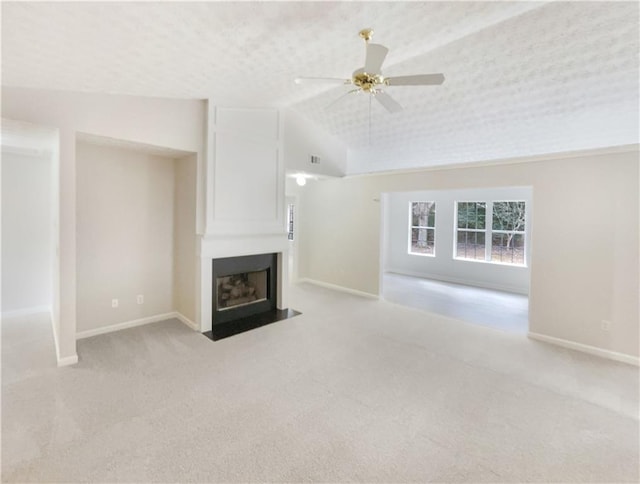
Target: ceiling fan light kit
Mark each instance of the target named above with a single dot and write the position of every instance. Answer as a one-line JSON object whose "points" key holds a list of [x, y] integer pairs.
{"points": [[369, 79]]}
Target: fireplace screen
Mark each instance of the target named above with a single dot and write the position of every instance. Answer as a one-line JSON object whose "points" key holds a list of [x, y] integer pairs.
{"points": [[241, 289]]}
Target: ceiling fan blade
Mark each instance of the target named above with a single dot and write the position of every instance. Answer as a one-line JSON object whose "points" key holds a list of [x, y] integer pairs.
{"points": [[321, 80], [376, 54], [417, 80], [388, 102], [333, 103]]}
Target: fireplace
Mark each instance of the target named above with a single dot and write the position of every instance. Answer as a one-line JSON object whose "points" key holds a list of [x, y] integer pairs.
{"points": [[243, 286]]}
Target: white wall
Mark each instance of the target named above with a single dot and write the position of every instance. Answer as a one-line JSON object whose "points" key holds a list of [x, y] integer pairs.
{"points": [[185, 261], [27, 238], [443, 266], [125, 217], [584, 267], [178, 124]]}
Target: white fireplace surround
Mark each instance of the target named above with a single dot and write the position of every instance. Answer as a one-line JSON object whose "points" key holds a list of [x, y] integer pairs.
{"points": [[245, 212], [216, 247]]}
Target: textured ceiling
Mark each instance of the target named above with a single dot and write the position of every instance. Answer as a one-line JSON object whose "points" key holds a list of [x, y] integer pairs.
{"points": [[521, 78]]}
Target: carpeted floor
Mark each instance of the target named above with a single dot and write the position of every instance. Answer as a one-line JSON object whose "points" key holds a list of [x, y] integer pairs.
{"points": [[351, 390]]}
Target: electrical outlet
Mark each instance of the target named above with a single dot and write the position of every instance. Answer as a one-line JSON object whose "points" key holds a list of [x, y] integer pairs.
{"points": [[140, 299], [114, 303], [605, 325]]}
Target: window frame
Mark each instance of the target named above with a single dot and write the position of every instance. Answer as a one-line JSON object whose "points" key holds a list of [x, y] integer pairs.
{"points": [[489, 231], [427, 227], [515, 232], [290, 222], [456, 229]]}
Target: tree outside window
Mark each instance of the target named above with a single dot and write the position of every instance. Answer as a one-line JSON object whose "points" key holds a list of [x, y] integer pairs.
{"points": [[507, 237]]}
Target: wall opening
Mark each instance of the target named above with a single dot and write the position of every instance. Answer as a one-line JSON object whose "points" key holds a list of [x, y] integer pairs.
{"points": [[29, 218], [461, 253]]}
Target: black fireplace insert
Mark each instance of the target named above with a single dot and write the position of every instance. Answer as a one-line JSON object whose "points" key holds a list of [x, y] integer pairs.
{"points": [[243, 286]]}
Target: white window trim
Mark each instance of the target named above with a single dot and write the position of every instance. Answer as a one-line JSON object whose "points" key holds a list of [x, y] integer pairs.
{"points": [[488, 231]]}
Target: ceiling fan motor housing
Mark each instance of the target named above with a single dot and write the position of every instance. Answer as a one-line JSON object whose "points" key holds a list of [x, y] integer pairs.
{"points": [[367, 82]]}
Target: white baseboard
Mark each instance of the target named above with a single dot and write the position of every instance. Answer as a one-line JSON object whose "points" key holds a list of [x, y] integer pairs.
{"points": [[592, 350], [335, 287], [137, 322], [127, 324], [67, 360], [186, 321], [26, 311]]}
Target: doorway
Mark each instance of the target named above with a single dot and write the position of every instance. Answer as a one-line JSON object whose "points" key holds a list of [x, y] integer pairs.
{"points": [[29, 247]]}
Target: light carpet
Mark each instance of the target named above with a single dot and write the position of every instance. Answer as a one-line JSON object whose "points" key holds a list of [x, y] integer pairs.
{"points": [[351, 390]]}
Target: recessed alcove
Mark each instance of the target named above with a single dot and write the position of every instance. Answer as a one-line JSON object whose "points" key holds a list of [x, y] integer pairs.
{"points": [[136, 234]]}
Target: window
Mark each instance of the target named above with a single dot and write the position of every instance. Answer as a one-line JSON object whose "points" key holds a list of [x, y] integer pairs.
{"points": [[290, 209], [507, 233], [471, 231], [423, 228], [503, 241]]}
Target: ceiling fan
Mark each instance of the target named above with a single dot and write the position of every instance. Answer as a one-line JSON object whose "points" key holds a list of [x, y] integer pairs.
{"points": [[369, 78]]}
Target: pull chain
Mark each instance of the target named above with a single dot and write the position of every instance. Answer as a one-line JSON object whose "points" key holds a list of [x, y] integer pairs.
{"points": [[370, 95]]}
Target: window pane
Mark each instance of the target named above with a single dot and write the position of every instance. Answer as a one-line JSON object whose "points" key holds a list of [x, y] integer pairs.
{"points": [[423, 214], [423, 241], [415, 214], [481, 216], [290, 222], [431, 220], [471, 215], [470, 245], [431, 237], [462, 215], [509, 216], [507, 248], [461, 244]]}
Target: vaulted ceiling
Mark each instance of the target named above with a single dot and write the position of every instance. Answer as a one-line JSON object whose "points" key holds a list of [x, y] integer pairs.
{"points": [[522, 78]]}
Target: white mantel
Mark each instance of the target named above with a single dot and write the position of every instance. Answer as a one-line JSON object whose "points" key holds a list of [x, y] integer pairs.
{"points": [[244, 193]]}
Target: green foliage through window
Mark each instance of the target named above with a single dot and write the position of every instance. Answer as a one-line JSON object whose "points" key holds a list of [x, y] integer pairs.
{"points": [[472, 215], [502, 242]]}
